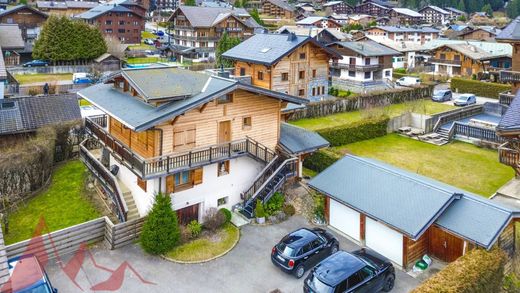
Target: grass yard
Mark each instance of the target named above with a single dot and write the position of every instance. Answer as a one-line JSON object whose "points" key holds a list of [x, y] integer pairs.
{"points": [[142, 60], [459, 164], [142, 46], [62, 205], [40, 77], [83, 102], [206, 247], [423, 107], [148, 35]]}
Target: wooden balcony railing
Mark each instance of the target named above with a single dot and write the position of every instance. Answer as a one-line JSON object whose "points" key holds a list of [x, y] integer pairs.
{"points": [[356, 67], [506, 98], [509, 76], [509, 156], [105, 178], [176, 162], [470, 131], [445, 61]]}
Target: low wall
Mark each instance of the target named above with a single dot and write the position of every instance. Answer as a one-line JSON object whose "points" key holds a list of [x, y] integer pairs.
{"points": [[407, 120], [50, 69]]}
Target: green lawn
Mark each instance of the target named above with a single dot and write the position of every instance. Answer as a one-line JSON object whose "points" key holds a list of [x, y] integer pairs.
{"points": [[141, 47], [40, 77], [142, 60], [62, 205], [148, 35], [423, 107], [459, 164], [83, 102]]}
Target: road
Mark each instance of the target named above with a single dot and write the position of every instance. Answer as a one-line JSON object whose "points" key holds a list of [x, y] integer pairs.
{"points": [[445, 86]]}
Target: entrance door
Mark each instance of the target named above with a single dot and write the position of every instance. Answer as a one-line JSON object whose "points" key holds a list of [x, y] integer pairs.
{"points": [[224, 131], [445, 246], [188, 214]]}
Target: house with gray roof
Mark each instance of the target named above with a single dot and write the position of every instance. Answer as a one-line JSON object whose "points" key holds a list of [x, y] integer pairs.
{"points": [[397, 34], [278, 8], [403, 215], [365, 66], [12, 43], [435, 15], [197, 30], [209, 141]]}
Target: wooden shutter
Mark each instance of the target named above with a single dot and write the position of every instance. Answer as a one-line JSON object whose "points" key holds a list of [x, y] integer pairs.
{"points": [[197, 176], [170, 185], [141, 183], [178, 138], [190, 137]]}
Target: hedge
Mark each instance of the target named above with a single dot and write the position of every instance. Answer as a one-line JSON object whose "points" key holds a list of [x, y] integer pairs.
{"points": [[320, 160], [479, 271], [479, 88], [349, 133]]}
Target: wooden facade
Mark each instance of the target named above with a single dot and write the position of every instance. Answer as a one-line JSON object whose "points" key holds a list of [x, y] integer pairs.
{"points": [[371, 8], [25, 17], [462, 64], [145, 143], [479, 35], [272, 8]]}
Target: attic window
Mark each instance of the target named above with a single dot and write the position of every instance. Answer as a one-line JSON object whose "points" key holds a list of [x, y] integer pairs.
{"points": [[265, 50], [7, 105]]}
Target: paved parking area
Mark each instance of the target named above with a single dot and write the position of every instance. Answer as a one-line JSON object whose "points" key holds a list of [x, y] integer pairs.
{"points": [[247, 268]]}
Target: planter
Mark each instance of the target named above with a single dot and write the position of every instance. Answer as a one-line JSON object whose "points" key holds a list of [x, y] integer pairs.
{"points": [[260, 220]]}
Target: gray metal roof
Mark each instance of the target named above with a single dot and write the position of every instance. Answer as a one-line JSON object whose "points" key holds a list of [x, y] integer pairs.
{"points": [[66, 4], [139, 115], [11, 37], [102, 9], [19, 7], [210, 16], [407, 11], [409, 202], [454, 10], [368, 48], [297, 140], [511, 119], [268, 49], [30, 113], [511, 31], [282, 4], [436, 8]]}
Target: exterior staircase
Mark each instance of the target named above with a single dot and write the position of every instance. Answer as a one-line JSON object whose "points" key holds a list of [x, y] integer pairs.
{"points": [[444, 135], [132, 213], [281, 170]]}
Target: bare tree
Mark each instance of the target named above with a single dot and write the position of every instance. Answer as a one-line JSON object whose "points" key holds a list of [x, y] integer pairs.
{"points": [[115, 47]]}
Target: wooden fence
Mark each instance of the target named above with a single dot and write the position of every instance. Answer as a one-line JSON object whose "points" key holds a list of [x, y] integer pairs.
{"points": [[119, 235], [475, 132], [324, 108]]}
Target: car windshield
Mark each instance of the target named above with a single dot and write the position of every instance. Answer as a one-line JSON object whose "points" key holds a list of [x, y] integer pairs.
{"points": [[318, 285], [41, 288], [440, 93], [286, 250]]}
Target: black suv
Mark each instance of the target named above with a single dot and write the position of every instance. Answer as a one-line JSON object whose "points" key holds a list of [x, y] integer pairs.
{"points": [[302, 249], [359, 271]]}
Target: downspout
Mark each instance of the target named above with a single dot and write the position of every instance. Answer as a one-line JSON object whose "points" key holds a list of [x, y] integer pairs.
{"points": [[160, 154]]}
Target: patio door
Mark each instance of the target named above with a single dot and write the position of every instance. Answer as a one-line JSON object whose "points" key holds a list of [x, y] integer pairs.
{"points": [[188, 214], [444, 245]]}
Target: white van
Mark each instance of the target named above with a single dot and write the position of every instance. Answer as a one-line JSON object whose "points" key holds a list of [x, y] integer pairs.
{"points": [[408, 81]]}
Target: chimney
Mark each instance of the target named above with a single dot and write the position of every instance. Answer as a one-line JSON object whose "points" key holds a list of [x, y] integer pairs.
{"points": [[222, 72], [291, 37]]}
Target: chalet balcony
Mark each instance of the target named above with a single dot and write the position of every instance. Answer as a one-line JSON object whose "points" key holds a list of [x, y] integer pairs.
{"points": [[178, 161], [509, 76], [195, 38], [356, 67], [508, 155], [228, 29], [505, 98], [446, 61]]}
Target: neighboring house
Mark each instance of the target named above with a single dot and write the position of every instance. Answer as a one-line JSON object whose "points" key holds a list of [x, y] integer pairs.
{"points": [[322, 35], [28, 19], [278, 9], [466, 59], [405, 16], [303, 11], [197, 30], [511, 36], [397, 34], [320, 22], [3, 75], [295, 65], [123, 20], [485, 34], [65, 8], [403, 215], [480, 18], [337, 7], [340, 18], [435, 15], [373, 8], [12, 44], [453, 31], [455, 13], [204, 140], [27, 114], [366, 65], [107, 62], [362, 19], [410, 54], [4, 4]]}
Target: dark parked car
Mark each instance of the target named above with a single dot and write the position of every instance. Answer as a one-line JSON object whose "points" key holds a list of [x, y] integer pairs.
{"points": [[442, 96], [360, 271], [302, 249], [36, 63], [28, 275]]}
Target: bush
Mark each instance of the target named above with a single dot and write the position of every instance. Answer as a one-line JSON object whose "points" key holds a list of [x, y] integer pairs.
{"points": [[274, 204], [214, 219], [478, 271], [289, 210], [320, 160], [349, 133], [511, 284], [259, 209], [479, 88], [227, 214], [160, 230], [194, 228], [319, 207], [400, 70]]}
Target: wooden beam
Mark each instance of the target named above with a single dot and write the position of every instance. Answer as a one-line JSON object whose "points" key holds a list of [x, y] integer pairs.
{"points": [[202, 108], [175, 120]]}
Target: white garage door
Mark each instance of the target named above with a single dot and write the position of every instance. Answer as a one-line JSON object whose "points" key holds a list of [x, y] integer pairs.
{"points": [[344, 219], [384, 240]]}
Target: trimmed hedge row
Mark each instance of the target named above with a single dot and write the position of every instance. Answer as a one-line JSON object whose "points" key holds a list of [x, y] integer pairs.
{"points": [[479, 271], [320, 160], [349, 133], [479, 88]]}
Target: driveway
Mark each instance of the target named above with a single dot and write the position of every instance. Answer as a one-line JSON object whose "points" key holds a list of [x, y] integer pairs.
{"points": [[445, 86], [247, 268]]}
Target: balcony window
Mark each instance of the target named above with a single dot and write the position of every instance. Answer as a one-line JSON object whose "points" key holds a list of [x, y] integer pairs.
{"points": [[285, 76], [223, 168], [367, 61], [246, 123], [301, 92], [314, 73], [242, 71], [368, 75], [302, 56], [301, 74], [260, 75], [228, 98]]}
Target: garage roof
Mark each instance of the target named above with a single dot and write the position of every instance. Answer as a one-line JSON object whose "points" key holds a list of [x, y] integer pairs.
{"points": [[409, 202], [297, 140]]}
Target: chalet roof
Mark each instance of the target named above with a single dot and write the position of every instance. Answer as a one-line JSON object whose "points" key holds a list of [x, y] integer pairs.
{"points": [[102, 9], [455, 10], [311, 20], [411, 203], [282, 4], [436, 8], [30, 113], [297, 140], [210, 16], [511, 119], [406, 29], [382, 4], [66, 4], [476, 52], [489, 29], [511, 32], [368, 48], [493, 47], [11, 37], [20, 7], [191, 89], [311, 31], [407, 11], [268, 49], [332, 3], [103, 57]]}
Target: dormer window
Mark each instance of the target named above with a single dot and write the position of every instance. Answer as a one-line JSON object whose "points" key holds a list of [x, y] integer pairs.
{"points": [[228, 98]]}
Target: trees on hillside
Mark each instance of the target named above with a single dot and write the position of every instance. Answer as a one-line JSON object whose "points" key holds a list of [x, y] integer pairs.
{"points": [[225, 43], [63, 39]]}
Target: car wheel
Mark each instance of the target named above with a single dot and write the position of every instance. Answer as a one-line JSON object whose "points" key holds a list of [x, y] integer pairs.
{"points": [[299, 272], [389, 283], [334, 249]]}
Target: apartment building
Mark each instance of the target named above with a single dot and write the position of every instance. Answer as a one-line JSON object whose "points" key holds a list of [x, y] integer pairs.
{"points": [[399, 34]]}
